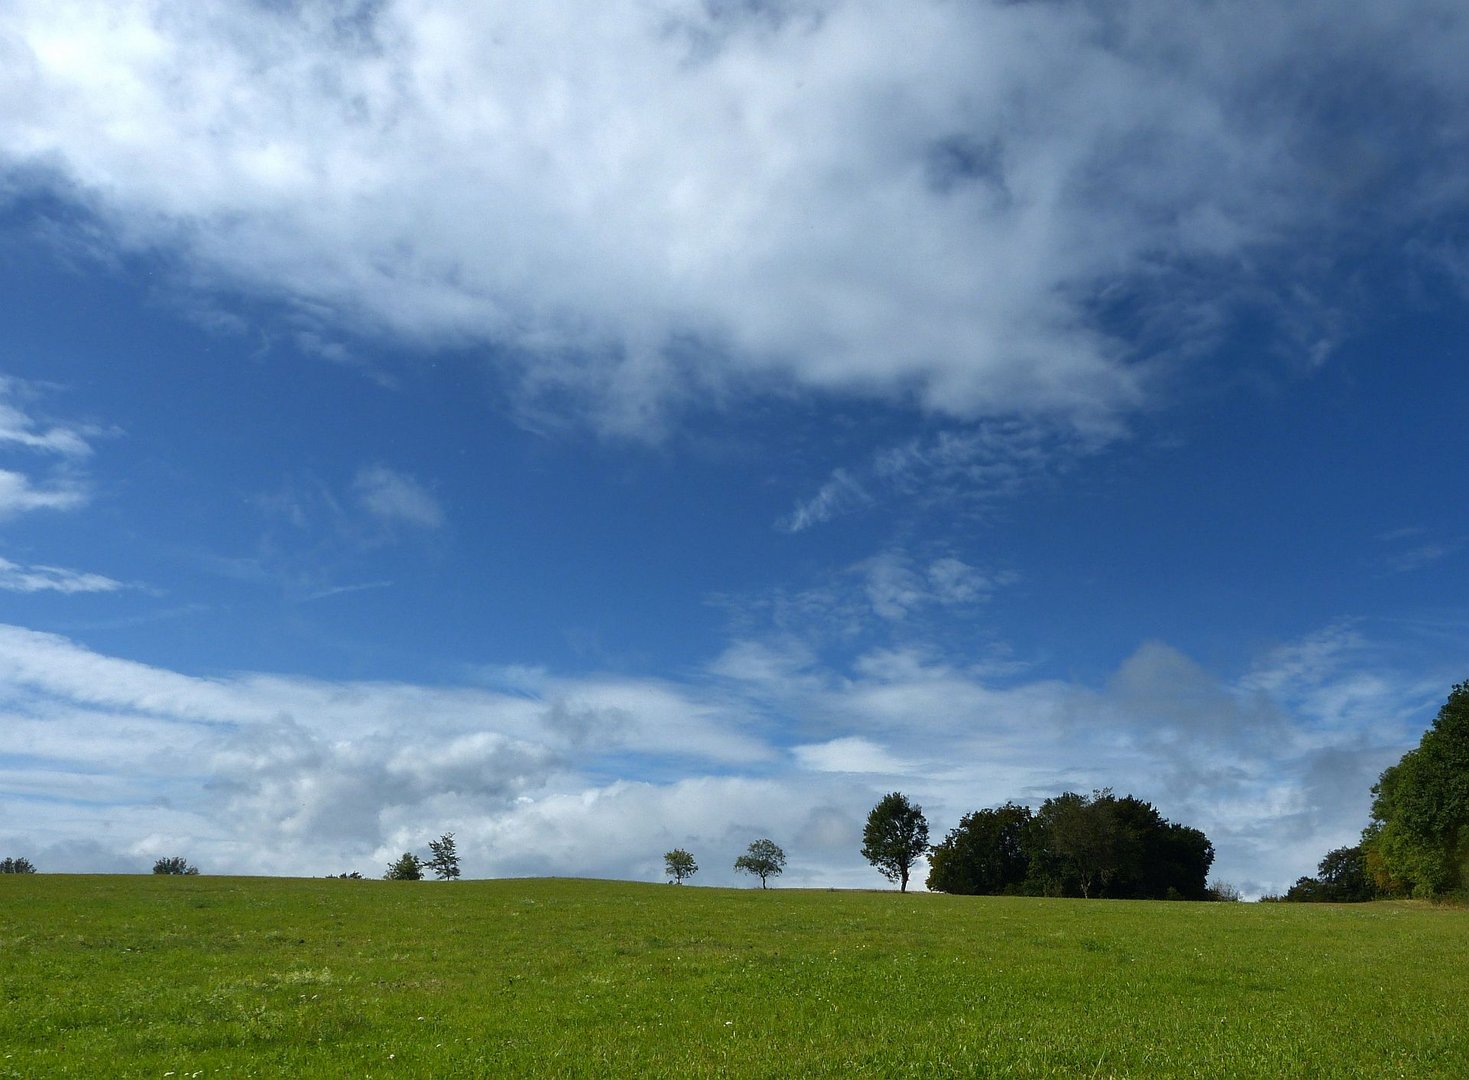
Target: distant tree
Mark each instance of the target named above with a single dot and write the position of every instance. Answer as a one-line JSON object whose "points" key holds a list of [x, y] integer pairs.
{"points": [[406, 867], [443, 858], [680, 865], [985, 855], [1224, 892], [175, 864], [1341, 878], [1074, 844], [764, 859], [1418, 840], [895, 838], [353, 876], [17, 866], [1104, 846]]}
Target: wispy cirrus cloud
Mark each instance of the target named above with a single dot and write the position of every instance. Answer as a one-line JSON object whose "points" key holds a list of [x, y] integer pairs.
{"points": [[964, 470], [48, 455], [18, 577], [395, 498]]}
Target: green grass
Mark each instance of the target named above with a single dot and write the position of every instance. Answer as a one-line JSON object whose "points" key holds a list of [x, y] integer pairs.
{"points": [[144, 976]]}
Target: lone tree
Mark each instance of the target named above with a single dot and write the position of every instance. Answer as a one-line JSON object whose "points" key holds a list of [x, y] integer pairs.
{"points": [[764, 859], [895, 838], [443, 859], [17, 866], [406, 867], [175, 864], [680, 865]]}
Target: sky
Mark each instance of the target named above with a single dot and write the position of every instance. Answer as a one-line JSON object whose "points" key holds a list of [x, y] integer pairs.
{"points": [[593, 429]]}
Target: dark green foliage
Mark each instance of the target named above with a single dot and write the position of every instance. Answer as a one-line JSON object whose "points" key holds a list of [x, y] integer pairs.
{"points": [[985, 855], [1094, 845], [1341, 878], [764, 859], [175, 864], [17, 866], [443, 858], [680, 865], [895, 837], [406, 867], [1418, 841]]}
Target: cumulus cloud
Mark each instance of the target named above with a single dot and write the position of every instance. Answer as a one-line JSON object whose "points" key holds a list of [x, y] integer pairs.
{"points": [[396, 498], [930, 202], [584, 775]]}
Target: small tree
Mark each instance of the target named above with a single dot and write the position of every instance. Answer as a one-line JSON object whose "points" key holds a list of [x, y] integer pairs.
{"points": [[175, 864], [764, 859], [17, 866], [680, 865], [895, 837], [406, 867], [444, 859]]}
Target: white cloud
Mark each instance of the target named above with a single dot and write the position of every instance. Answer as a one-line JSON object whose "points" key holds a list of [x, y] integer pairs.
{"points": [[19, 494], [60, 485], [15, 577], [397, 498], [919, 200], [265, 773]]}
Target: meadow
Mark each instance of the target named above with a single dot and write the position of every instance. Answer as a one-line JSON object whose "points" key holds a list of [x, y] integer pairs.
{"points": [[211, 976]]}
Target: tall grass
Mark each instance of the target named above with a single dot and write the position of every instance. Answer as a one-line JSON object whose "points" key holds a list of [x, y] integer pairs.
{"points": [[143, 976]]}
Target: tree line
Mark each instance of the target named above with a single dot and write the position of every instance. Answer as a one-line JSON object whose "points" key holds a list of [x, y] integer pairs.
{"points": [[1416, 842], [1097, 845]]}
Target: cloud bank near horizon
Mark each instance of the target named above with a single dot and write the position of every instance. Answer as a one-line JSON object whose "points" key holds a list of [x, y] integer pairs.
{"points": [[106, 763]]}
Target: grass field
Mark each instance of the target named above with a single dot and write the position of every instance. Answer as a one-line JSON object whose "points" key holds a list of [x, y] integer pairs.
{"points": [[196, 977]]}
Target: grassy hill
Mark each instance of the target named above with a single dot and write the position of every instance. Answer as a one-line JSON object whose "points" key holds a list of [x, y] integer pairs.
{"points": [[210, 976]]}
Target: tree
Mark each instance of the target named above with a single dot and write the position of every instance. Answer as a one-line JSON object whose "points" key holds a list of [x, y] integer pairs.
{"points": [[895, 838], [17, 866], [406, 867], [680, 865], [1418, 840], [1074, 843], [984, 856], [764, 859], [175, 864], [1341, 878], [1122, 848], [444, 859]]}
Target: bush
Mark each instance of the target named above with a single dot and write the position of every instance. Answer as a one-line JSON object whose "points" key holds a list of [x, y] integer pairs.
{"points": [[175, 864], [17, 866]]}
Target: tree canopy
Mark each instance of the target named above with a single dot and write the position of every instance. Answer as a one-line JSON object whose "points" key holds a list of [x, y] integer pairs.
{"points": [[985, 855], [443, 858], [1418, 840], [764, 858], [1096, 845], [680, 865], [895, 838], [175, 864]]}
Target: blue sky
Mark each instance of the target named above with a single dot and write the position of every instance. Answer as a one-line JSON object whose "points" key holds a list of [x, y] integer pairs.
{"points": [[596, 431]]}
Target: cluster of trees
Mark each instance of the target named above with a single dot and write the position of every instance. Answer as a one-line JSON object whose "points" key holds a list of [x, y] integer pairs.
{"points": [[443, 862], [22, 865], [1341, 878], [1097, 845], [1417, 842]]}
